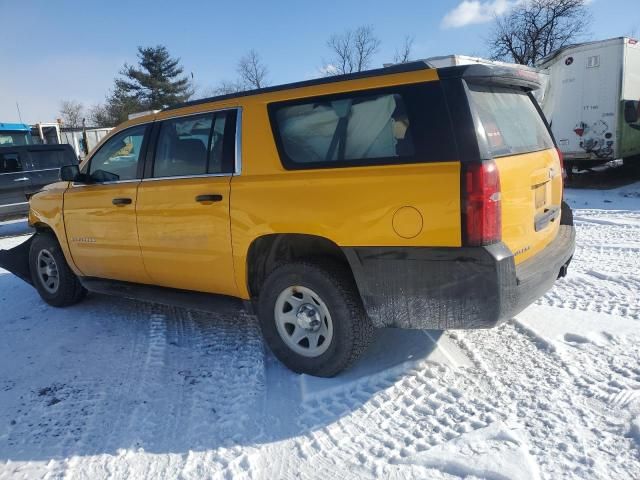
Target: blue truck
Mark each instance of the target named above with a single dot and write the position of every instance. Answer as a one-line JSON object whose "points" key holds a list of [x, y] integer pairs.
{"points": [[26, 167], [15, 134]]}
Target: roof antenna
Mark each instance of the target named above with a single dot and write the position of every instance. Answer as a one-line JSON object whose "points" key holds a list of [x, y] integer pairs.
{"points": [[19, 114]]}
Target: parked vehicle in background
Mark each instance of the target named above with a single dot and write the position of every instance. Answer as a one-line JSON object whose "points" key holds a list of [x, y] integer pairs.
{"points": [[25, 169], [592, 101], [409, 196], [15, 134], [83, 140]]}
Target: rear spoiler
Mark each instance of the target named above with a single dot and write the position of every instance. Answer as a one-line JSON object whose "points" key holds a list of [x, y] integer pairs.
{"points": [[523, 77]]}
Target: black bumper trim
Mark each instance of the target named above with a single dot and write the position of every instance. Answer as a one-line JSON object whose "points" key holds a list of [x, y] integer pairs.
{"points": [[16, 260], [446, 288]]}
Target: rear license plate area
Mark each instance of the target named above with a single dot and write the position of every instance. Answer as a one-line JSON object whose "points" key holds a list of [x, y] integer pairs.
{"points": [[540, 193]]}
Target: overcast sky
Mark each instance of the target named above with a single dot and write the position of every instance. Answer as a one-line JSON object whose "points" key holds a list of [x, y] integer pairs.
{"points": [[52, 51]]}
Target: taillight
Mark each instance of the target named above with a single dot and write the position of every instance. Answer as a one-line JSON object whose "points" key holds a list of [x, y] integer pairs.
{"points": [[482, 213], [563, 172], [561, 157]]}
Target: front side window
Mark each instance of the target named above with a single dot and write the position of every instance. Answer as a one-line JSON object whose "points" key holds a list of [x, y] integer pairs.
{"points": [[403, 124], [194, 145], [118, 158], [10, 162]]}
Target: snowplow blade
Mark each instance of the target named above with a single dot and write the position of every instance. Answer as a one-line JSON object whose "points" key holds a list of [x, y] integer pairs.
{"points": [[16, 260]]}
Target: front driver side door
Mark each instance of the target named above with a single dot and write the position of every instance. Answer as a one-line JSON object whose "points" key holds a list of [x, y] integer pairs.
{"points": [[100, 217]]}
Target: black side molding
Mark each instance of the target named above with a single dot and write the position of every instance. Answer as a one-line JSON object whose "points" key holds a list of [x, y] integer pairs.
{"points": [[205, 302]]}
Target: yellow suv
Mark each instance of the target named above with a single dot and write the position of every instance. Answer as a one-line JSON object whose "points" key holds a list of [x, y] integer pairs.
{"points": [[407, 197]]}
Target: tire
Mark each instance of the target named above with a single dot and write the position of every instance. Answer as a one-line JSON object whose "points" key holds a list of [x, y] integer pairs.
{"points": [[566, 214], [631, 162], [336, 293], [67, 290]]}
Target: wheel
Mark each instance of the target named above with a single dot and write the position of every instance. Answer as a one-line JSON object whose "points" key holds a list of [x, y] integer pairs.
{"points": [[52, 277], [312, 317], [566, 214], [631, 162]]}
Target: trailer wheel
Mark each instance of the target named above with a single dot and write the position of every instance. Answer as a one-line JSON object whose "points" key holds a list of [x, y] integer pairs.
{"points": [[52, 277]]}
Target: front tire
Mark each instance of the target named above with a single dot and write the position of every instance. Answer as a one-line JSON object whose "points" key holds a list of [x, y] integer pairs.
{"points": [[312, 317], [52, 277]]}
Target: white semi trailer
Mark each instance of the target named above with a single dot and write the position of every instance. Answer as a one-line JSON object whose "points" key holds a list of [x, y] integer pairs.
{"points": [[592, 101]]}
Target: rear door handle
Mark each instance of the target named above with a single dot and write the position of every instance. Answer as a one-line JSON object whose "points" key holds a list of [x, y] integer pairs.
{"points": [[209, 198], [23, 179], [121, 201]]}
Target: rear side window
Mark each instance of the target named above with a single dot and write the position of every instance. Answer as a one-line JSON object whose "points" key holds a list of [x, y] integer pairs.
{"points": [[195, 145], [396, 125], [47, 159], [511, 122], [10, 162]]}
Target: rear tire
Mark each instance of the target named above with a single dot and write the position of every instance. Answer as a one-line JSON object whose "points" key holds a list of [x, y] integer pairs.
{"points": [[294, 297], [51, 275]]}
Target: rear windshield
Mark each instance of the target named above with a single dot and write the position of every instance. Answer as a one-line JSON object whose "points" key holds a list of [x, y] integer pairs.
{"points": [[510, 120]]}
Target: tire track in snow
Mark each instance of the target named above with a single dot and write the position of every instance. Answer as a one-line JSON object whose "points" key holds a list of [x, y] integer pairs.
{"points": [[386, 419], [559, 405]]}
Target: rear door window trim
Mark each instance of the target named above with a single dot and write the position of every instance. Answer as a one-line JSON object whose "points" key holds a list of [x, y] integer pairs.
{"points": [[421, 153], [155, 134]]}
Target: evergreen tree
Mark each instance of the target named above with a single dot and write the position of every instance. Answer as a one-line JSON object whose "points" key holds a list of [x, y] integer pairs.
{"points": [[157, 82]]}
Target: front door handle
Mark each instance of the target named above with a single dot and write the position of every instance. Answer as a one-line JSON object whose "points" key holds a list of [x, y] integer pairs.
{"points": [[121, 201], [209, 198], [23, 179]]}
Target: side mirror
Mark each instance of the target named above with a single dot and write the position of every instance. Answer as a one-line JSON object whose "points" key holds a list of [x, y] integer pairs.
{"points": [[70, 173], [630, 111]]}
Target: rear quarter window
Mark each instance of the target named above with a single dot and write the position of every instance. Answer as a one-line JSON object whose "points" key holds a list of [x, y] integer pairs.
{"points": [[47, 159], [512, 124], [405, 124]]}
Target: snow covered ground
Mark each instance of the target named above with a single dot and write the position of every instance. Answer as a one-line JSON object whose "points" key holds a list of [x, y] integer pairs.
{"points": [[113, 388]]}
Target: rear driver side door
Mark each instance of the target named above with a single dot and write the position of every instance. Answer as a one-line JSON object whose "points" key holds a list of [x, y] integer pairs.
{"points": [[183, 203]]}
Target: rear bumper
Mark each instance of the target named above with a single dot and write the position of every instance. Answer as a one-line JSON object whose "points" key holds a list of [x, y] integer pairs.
{"points": [[447, 288]]}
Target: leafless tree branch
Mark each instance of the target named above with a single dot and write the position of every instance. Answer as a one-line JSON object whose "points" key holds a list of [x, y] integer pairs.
{"points": [[252, 72], [403, 55], [71, 113], [352, 50], [535, 28]]}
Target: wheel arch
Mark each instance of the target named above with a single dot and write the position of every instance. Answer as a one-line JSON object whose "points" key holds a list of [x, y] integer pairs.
{"points": [[268, 251]]}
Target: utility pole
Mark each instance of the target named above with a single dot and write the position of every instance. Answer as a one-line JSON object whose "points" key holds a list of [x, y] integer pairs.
{"points": [[19, 114]]}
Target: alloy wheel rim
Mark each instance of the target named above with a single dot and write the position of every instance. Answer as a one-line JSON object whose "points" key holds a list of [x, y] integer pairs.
{"points": [[48, 271], [303, 321]]}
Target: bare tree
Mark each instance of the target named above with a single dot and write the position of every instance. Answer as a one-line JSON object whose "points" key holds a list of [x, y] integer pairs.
{"points": [[252, 72], [225, 87], [403, 55], [352, 50], [535, 28], [71, 113]]}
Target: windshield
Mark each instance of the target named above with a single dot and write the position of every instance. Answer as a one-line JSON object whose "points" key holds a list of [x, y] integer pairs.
{"points": [[511, 122], [14, 138]]}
